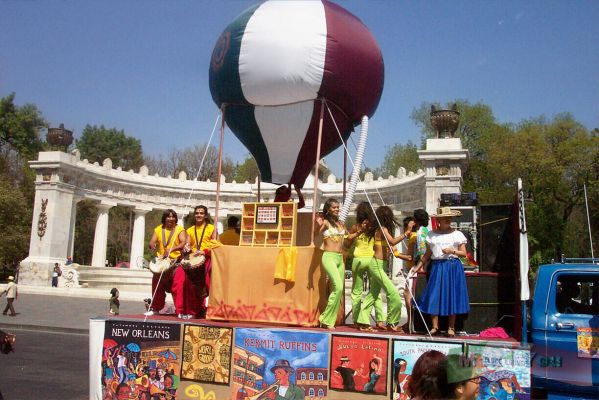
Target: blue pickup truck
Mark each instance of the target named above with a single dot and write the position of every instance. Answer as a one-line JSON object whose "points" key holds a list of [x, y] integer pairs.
{"points": [[564, 331]]}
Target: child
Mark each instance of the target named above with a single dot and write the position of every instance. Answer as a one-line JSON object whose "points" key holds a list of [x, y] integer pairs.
{"points": [[114, 301]]}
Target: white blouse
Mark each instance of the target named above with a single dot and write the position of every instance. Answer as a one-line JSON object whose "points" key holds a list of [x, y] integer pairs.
{"points": [[439, 241]]}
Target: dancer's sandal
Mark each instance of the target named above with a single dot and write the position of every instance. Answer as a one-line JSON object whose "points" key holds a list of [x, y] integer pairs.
{"points": [[395, 328], [329, 327], [434, 332], [450, 332], [381, 326], [366, 328]]}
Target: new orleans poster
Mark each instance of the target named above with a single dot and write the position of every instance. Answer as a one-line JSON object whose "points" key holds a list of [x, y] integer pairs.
{"points": [[140, 360]]}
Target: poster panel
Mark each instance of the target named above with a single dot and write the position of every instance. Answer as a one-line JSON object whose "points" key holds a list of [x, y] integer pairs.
{"points": [[507, 372], [207, 354], [587, 340], [359, 364], [140, 360], [280, 364], [405, 355]]}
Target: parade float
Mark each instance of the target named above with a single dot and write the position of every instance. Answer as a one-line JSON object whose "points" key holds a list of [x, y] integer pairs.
{"points": [[292, 80]]}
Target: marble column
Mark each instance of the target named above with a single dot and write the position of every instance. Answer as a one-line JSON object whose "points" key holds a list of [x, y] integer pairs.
{"points": [[137, 240], [101, 235]]}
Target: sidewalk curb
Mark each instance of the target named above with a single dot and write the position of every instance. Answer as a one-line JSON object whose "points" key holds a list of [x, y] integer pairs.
{"points": [[52, 329]]}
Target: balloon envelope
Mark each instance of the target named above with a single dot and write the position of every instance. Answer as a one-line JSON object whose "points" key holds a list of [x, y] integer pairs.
{"points": [[271, 67]]}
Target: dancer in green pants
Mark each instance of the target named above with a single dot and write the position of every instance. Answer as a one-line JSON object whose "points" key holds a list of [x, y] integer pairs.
{"points": [[333, 233], [378, 276], [363, 233]]}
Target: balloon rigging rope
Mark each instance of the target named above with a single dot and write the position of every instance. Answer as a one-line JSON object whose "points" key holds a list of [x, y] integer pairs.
{"points": [[187, 202], [377, 219]]}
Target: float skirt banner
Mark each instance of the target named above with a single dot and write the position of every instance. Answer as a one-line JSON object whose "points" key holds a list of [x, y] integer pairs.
{"points": [[207, 354], [140, 360], [405, 355], [277, 361], [507, 372], [359, 364], [244, 288]]}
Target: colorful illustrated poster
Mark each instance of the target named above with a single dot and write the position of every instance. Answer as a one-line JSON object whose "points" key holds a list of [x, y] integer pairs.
{"points": [[140, 360], [405, 355], [588, 342], [207, 354], [359, 364], [280, 364], [507, 372]]}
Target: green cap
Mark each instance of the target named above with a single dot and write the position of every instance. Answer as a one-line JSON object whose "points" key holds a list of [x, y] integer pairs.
{"points": [[461, 368]]}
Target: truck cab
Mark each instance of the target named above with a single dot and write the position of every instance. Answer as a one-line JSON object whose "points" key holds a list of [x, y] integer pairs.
{"points": [[565, 331]]}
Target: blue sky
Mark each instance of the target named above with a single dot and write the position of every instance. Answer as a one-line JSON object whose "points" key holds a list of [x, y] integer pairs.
{"points": [[142, 66]]}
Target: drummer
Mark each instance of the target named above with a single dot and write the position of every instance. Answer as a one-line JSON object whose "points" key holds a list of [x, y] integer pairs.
{"points": [[167, 240], [200, 238]]}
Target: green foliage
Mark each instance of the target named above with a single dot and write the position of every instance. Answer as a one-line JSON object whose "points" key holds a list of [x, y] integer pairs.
{"points": [[99, 143], [247, 170], [15, 217], [20, 127], [399, 155], [85, 226], [555, 158]]}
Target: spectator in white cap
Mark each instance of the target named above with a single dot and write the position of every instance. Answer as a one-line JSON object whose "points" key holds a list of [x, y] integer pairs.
{"points": [[11, 295]]}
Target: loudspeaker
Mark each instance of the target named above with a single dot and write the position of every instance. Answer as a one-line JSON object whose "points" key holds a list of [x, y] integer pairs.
{"points": [[497, 247], [492, 299]]}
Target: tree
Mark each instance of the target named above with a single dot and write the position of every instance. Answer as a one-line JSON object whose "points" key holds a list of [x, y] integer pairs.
{"points": [[98, 143], [20, 128], [247, 171], [190, 161], [15, 217], [399, 155]]}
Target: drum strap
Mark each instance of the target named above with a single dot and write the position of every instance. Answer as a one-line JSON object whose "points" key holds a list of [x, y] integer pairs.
{"points": [[199, 243], [165, 244]]}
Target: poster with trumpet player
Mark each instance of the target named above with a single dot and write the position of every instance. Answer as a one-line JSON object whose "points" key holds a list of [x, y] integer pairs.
{"points": [[207, 354], [279, 364]]}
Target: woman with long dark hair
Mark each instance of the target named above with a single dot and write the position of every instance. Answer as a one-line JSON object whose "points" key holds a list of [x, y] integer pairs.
{"points": [[333, 232], [429, 377], [377, 271], [362, 234]]}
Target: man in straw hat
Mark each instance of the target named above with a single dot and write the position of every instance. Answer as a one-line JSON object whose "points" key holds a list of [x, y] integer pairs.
{"points": [[446, 292], [347, 374], [11, 295], [282, 370], [463, 377]]}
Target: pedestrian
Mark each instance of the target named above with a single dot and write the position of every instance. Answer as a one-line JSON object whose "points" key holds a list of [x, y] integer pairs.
{"points": [[463, 377], [11, 296], [114, 302], [57, 272]]}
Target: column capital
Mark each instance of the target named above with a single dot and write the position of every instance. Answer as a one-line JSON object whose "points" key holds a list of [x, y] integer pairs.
{"points": [[141, 210], [105, 206]]}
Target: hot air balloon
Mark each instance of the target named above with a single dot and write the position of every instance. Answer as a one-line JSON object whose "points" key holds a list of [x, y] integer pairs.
{"points": [[274, 66]]}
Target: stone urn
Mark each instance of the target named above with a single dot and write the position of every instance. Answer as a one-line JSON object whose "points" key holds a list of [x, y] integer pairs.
{"points": [[445, 122], [59, 136]]}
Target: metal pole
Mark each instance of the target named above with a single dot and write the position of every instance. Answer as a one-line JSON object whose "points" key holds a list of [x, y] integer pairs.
{"points": [[220, 161], [586, 202], [314, 195]]}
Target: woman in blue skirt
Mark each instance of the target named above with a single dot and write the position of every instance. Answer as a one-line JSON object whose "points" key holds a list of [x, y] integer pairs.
{"points": [[446, 292]]}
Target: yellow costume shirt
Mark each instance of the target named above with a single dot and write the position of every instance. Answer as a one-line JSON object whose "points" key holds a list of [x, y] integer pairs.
{"points": [[167, 234], [206, 240]]}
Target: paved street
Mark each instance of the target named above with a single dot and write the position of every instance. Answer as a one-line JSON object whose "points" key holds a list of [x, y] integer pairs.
{"points": [[51, 360]]}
